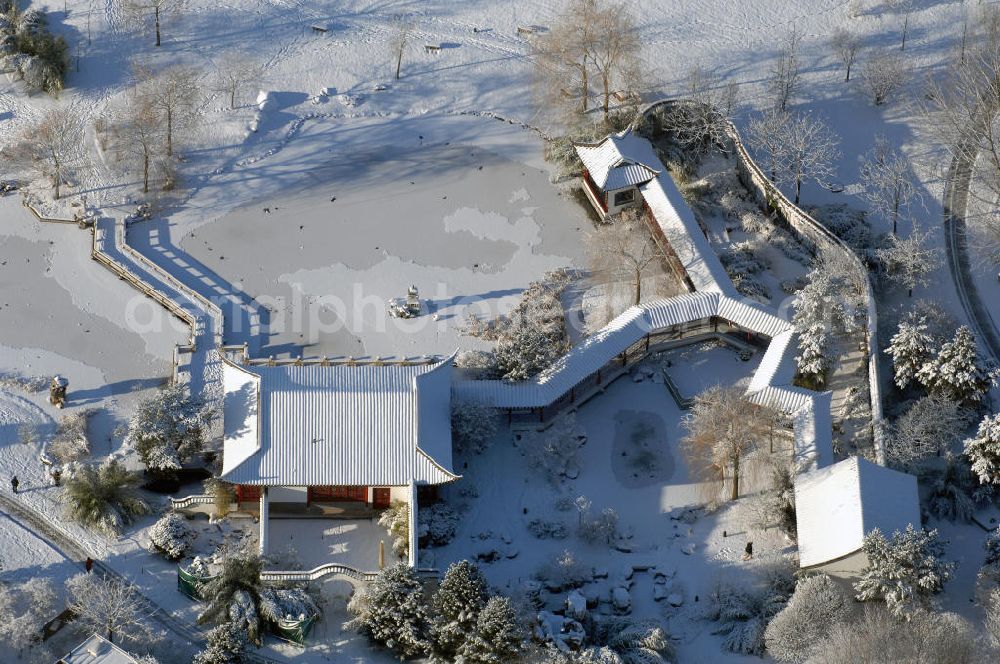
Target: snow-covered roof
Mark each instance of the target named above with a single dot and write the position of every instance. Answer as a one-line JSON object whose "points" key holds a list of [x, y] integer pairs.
{"points": [[685, 236], [98, 650], [619, 160], [838, 505], [359, 425], [603, 346]]}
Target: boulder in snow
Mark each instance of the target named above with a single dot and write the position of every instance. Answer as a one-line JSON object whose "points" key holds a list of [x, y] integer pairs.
{"points": [[576, 605], [675, 599], [621, 600]]}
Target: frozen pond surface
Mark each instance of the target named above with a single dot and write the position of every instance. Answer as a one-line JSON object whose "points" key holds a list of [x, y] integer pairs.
{"points": [[468, 227], [54, 296]]}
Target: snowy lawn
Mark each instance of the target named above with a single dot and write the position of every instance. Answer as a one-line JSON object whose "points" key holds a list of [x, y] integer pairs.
{"points": [[694, 369]]}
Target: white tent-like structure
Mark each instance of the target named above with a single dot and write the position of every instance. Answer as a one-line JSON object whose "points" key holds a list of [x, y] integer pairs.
{"points": [[837, 506], [303, 433]]}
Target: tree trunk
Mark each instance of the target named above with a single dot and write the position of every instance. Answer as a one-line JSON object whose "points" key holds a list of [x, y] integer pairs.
{"points": [[145, 173], [736, 477], [607, 95], [848, 78], [638, 286], [58, 173], [798, 188], [156, 10], [586, 83], [232, 98], [170, 132], [399, 62]]}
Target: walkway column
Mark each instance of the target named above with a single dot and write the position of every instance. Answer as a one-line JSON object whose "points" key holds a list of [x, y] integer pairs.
{"points": [[263, 515], [413, 525]]}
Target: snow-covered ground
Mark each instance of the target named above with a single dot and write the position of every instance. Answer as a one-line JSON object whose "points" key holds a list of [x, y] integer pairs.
{"points": [[61, 312]]}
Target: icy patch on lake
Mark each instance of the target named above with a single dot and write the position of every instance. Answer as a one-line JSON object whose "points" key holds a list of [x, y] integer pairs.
{"points": [[492, 226]]}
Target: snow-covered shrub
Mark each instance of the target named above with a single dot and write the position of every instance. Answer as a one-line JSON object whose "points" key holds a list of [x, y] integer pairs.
{"points": [[950, 492], [70, 442], [277, 604], [473, 426], [600, 528], [775, 506], [555, 452], [743, 258], [391, 610], [564, 572], [223, 492], [817, 604], [234, 593], [991, 565], [456, 605], [497, 637], [224, 644], [941, 638], [928, 429], [992, 621], [941, 325], [956, 371], [103, 497], [24, 610], [850, 225], [790, 246], [625, 640], [168, 428], [545, 529], [480, 363], [42, 58], [533, 335], [171, 535], [911, 347], [396, 519], [983, 450], [743, 613], [904, 570], [436, 524]]}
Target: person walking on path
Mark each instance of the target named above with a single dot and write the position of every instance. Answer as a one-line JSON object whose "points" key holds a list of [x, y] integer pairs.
{"points": [[14, 482], [89, 564]]}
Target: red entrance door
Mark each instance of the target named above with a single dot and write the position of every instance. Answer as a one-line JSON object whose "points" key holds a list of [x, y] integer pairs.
{"points": [[246, 493], [381, 496], [319, 494]]}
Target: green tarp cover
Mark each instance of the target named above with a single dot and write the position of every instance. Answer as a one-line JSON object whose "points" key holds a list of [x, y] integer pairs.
{"points": [[295, 631], [190, 584]]}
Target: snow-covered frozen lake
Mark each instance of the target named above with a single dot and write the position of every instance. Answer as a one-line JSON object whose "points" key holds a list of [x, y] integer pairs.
{"points": [[468, 227]]}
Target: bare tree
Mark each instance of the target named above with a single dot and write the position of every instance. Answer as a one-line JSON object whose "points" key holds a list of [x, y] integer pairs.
{"points": [[616, 53], [141, 11], [910, 261], [109, 606], [889, 182], [808, 152], [783, 78], [723, 429], [904, 7], [234, 73], [563, 57], [846, 45], [766, 134], [399, 37], [52, 146], [882, 74], [930, 428], [174, 93], [141, 136], [705, 121], [625, 249]]}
